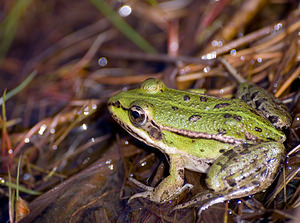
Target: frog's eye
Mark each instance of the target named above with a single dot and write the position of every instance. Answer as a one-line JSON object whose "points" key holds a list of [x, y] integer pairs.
{"points": [[137, 115]]}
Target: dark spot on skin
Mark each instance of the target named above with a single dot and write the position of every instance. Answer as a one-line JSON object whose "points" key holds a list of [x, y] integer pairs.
{"points": [[221, 105], [271, 139], [231, 154], [273, 119], [237, 118], [227, 115], [186, 98], [246, 145], [259, 102], [235, 159], [253, 111], [161, 90], [117, 104], [181, 173], [193, 141], [246, 97], [202, 150], [270, 160], [257, 129], [223, 166], [203, 99], [258, 169], [155, 133], [231, 183], [222, 131], [254, 95], [221, 150], [263, 108], [245, 151], [174, 108], [255, 182], [264, 173], [195, 118]]}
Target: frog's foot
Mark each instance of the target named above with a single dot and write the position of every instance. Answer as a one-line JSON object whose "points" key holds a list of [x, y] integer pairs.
{"points": [[148, 190], [158, 194], [204, 200], [170, 187]]}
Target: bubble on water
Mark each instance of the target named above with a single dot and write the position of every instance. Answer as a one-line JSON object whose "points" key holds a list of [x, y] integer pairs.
{"points": [[233, 52], [102, 61], [125, 10]]}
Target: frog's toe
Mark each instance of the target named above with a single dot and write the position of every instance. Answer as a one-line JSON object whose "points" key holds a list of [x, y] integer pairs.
{"points": [[140, 185], [146, 194], [204, 200], [192, 202]]}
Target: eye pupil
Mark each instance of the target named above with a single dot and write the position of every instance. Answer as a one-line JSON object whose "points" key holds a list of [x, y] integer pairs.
{"points": [[135, 114]]}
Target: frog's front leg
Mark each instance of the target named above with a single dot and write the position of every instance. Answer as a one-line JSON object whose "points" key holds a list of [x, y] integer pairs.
{"points": [[170, 187], [244, 170]]}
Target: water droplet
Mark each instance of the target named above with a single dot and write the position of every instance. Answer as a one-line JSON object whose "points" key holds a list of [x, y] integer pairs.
{"points": [[144, 163], [10, 151], [54, 147], [278, 26], [125, 10], [26, 176], [84, 126], [2, 180], [94, 106], [214, 43], [233, 52], [52, 131], [86, 160], [206, 69], [111, 167], [239, 201], [259, 60], [108, 161], [102, 61], [42, 129], [209, 56], [27, 140]]}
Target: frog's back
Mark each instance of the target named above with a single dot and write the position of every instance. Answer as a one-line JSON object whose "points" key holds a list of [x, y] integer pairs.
{"points": [[212, 116]]}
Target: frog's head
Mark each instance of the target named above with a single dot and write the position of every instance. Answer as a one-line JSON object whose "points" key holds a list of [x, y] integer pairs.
{"points": [[133, 110]]}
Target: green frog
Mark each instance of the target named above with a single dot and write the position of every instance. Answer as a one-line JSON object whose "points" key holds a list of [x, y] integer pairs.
{"points": [[236, 142]]}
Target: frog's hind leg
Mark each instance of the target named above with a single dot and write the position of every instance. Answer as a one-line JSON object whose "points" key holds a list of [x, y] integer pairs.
{"points": [[170, 187], [264, 102], [245, 170], [241, 171]]}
